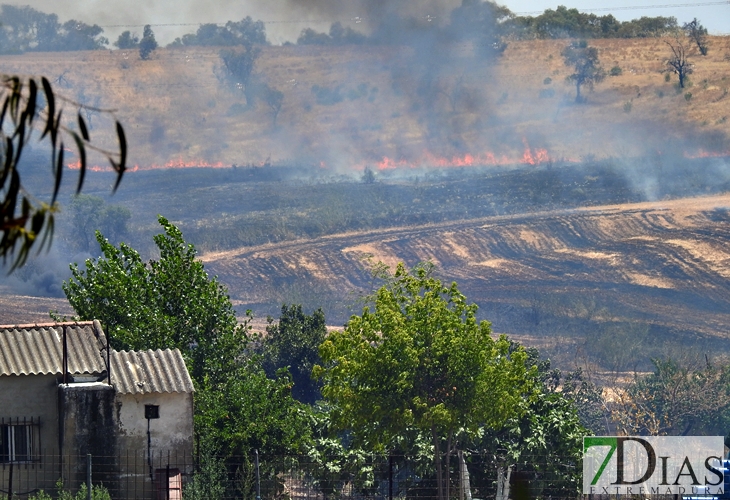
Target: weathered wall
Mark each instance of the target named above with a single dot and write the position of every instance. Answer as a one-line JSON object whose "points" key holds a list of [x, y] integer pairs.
{"points": [[32, 396], [171, 435], [172, 431], [88, 414]]}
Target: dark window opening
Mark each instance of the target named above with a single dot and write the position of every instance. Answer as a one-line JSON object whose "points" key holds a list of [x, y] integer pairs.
{"points": [[18, 441]]}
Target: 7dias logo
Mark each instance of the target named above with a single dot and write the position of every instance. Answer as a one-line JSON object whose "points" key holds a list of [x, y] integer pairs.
{"points": [[653, 465]]}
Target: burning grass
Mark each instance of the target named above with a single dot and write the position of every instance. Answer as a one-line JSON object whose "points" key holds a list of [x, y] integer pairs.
{"points": [[178, 112]]}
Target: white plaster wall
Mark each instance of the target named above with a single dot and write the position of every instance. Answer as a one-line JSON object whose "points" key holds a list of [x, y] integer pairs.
{"points": [[173, 431]]}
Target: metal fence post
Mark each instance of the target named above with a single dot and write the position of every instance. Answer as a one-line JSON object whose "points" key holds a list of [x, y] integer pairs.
{"points": [[258, 479], [390, 476], [88, 476], [10, 482]]}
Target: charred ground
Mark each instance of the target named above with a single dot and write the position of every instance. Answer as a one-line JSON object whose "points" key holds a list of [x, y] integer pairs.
{"points": [[575, 258]]}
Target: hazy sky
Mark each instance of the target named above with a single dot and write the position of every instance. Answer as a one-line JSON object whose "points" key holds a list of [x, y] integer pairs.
{"points": [[286, 18]]}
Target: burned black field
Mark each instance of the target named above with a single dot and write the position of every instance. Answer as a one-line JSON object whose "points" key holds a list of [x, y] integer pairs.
{"points": [[609, 263]]}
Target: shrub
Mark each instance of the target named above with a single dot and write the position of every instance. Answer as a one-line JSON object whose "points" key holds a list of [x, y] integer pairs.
{"points": [[98, 492], [547, 81], [236, 109], [688, 96], [616, 71], [667, 77], [627, 106], [327, 96], [547, 93]]}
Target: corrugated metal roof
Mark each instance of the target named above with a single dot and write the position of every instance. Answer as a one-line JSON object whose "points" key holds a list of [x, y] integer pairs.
{"points": [[38, 349], [143, 372]]}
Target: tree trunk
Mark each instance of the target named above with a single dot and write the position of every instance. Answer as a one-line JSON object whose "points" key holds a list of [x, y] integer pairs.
{"points": [[437, 463], [447, 471], [503, 479], [577, 92], [464, 483]]}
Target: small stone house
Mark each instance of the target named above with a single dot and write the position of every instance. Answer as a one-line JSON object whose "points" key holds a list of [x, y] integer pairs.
{"points": [[64, 395]]}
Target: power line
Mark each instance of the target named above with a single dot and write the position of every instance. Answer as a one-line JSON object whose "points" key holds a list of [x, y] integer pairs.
{"points": [[359, 19], [640, 7]]}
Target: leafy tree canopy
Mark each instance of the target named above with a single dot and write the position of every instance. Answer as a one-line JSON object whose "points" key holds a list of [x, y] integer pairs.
{"points": [[166, 303], [245, 32], [248, 411], [75, 35], [147, 44], [25, 29], [127, 40], [90, 213], [586, 65], [172, 302], [551, 428], [418, 358], [676, 399], [292, 343]]}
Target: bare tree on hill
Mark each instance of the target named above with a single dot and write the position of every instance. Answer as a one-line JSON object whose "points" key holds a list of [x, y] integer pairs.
{"points": [[677, 62], [697, 33]]}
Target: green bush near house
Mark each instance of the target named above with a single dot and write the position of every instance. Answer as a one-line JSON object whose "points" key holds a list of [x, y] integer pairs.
{"points": [[98, 492]]}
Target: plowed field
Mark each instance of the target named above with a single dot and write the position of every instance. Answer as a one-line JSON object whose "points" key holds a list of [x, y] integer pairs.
{"points": [[654, 273]]}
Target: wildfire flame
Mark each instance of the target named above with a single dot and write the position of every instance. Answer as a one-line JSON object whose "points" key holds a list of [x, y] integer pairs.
{"points": [[707, 154], [530, 156]]}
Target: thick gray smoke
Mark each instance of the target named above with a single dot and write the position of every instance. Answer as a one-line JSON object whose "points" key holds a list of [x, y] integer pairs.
{"points": [[285, 19]]}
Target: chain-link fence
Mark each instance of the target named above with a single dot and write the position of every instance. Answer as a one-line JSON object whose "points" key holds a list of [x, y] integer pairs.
{"points": [[162, 476]]}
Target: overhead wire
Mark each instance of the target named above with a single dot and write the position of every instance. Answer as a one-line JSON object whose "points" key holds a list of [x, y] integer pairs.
{"points": [[359, 19]]}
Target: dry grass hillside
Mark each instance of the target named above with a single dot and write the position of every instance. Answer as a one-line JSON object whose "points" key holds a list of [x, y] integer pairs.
{"points": [[177, 109]]}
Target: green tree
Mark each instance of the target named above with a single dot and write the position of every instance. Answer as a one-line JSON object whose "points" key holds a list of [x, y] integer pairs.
{"points": [[90, 213], [29, 105], [172, 302], [148, 43], [345, 36], [245, 32], [587, 68], [85, 214], [24, 28], [166, 303], [239, 65], [547, 438], [310, 37], [75, 35], [646, 27], [127, 41], [420, 359], [293, 343], [248, 411], [677, 400]]}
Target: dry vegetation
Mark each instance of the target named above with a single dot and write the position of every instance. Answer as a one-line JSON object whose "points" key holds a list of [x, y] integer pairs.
{"points": [[176, 107]]}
